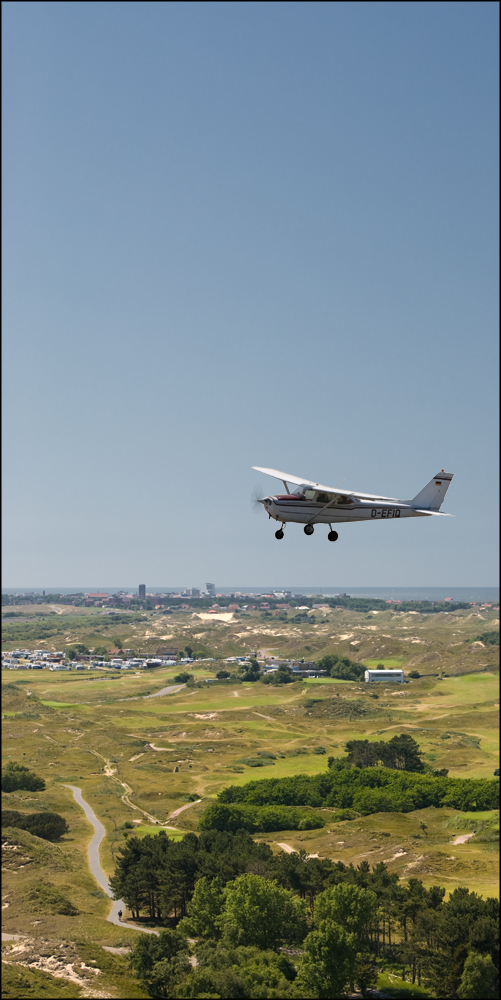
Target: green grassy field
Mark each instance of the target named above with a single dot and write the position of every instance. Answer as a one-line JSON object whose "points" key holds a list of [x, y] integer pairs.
{"points": [[324, 680], [97, 731]]}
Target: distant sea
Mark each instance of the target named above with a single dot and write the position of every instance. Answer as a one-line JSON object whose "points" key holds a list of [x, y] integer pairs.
{"points": [[478, 594]]}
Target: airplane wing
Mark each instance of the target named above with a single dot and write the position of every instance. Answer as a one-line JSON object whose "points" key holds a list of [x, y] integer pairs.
{"points": [[285, 477]]}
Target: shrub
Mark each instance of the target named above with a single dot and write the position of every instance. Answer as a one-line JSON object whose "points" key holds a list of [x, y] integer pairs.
{"points": [[183, 677], [343, 814], [488, 638], [16, 777], [414, 674], [48, 825]]}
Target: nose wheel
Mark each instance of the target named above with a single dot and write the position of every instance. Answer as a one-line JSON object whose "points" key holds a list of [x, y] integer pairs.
{"points": [[308, 529], [279, 534]]}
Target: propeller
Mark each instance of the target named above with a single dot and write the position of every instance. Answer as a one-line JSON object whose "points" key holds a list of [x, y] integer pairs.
{"points": [[257, 494]]}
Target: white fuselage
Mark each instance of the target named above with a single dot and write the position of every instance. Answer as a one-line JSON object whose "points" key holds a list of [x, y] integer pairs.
{"points": [[292, 508]]}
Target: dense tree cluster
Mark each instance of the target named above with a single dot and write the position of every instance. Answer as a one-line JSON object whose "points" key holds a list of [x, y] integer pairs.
{"points": [[79, 649], [17, 776], [367, 790], [48, 825], [258, 818], [342, 667], [401, 753], [242, 904], [157, 875], [281, 676], [252, 671]]}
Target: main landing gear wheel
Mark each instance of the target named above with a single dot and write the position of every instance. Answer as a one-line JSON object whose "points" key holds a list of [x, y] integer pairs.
{"points": [[308, 529], [279, 533], [333, 536]]}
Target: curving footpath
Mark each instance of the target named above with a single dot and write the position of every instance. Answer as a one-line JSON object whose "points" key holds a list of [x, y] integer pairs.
{"points": [[95, 864]]}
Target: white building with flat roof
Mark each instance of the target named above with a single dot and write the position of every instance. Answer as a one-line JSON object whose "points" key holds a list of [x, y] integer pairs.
{"points": [[384, 675]]}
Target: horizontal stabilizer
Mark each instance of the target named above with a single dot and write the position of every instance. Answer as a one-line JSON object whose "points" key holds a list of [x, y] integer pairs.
{"points": [[436, 513]]}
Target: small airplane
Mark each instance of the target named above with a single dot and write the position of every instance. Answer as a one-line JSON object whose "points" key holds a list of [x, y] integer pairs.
{"points": [[312, 503]]}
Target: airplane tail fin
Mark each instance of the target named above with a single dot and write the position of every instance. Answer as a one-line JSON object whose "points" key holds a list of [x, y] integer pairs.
{"points": [[432, 496]]}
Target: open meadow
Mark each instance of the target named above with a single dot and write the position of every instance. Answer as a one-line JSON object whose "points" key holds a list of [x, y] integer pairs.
{"points": [[139, 760]]}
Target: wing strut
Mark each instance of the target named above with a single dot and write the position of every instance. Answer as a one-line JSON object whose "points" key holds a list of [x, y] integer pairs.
{"points": [[323, 508]]}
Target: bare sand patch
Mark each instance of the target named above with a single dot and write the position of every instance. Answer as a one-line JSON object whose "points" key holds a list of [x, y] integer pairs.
{"points": [[394, 857]]}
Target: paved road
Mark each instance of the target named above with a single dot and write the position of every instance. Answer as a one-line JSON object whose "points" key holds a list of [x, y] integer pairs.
{"points": [[177, 812], [95, 864], [167, 690]]}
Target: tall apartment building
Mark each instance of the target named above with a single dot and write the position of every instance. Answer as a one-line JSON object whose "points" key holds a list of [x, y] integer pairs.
{"points": [[211, 589], [195, 592], [142, 591]]}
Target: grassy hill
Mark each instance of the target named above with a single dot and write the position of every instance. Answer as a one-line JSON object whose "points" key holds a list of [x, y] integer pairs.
{"points": [[99, 731]]}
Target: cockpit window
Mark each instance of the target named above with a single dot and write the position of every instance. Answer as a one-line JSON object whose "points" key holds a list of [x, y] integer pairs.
{"points": [[305, 492]]}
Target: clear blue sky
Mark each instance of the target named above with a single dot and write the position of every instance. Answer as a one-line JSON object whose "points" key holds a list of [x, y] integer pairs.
{"points": [[243, 234]]}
